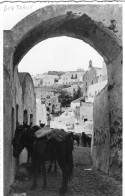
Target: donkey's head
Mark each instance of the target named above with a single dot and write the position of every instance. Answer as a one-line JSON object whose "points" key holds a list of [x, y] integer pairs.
{"points": [[18, 141]]}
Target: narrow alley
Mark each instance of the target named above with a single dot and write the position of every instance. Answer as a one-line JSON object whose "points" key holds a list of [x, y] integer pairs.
{"points": [[86, 180], [62, 72]]}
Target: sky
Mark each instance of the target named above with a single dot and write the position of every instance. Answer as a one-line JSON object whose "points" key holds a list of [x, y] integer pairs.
{"points": [[53, 54], [60, 54]]}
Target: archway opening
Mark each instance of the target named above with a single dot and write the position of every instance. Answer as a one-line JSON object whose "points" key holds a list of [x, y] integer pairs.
{"points": [[60, 53], [83, 67]]}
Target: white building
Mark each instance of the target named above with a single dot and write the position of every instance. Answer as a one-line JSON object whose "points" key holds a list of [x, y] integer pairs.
{"points": [[49, 98], [71, 89], [49, 80], [37, 81], [98, 71], [44, 80], [71, 77], [76, 102], [94, 89], [52, 101], [41, 113], [66, 121], [86, 112]]}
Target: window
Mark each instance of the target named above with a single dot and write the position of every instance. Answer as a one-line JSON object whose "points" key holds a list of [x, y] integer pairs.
{"points": [[48, 109], [25, 116], [17, 109], [86, 86], [85, 119], [31, 119], [42, 100]]}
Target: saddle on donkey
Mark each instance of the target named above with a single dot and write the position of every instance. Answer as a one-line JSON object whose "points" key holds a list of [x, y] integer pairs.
{"points": [[49, 133]]}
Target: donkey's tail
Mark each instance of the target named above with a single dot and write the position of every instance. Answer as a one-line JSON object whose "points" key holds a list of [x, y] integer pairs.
{"points": [[69, 157]]}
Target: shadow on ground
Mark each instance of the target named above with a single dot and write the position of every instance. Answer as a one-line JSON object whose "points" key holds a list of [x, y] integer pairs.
{"points": [[86, 180]]}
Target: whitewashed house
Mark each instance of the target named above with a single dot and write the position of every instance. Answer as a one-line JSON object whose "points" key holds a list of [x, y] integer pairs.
{"points": [[94, 89], [49, 80], [76, 102]]}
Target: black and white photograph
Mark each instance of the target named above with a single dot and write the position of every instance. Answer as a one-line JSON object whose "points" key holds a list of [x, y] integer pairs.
{"points": [[61, 86]]}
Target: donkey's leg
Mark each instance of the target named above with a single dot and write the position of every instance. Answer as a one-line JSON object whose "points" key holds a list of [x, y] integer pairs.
{"points": [[50, 166], [35, 171], [55, 167], [63, 166], [44, 174]]}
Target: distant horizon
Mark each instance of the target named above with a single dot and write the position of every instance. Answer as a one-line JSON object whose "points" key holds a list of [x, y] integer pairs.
{"points": [[60, 71]]}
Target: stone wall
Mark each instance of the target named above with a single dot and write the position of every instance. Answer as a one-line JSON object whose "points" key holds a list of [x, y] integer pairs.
{"points": [[8, 157], [115, 120], [101, 132], [12, 98], [107, 136], [29, 99]]}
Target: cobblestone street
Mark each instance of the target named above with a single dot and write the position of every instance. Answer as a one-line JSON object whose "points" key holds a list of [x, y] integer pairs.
{"points": [[86, 181]]}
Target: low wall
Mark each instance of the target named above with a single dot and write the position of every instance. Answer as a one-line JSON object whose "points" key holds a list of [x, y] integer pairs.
{"points": [[87, 128]]}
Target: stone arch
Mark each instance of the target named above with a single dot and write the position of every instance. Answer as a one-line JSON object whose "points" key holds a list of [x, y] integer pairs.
{"points": [[80, 27], [74, 21], [91, 23]]}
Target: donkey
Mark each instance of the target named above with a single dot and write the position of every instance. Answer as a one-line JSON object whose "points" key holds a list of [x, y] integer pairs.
{"points": [[43, 150]]}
